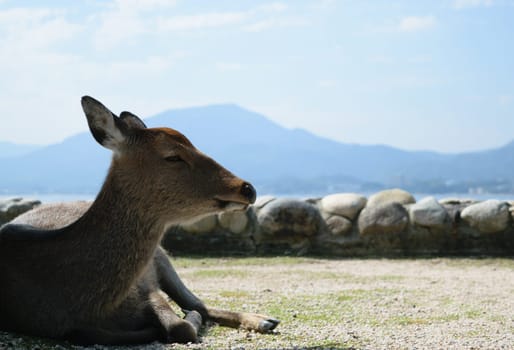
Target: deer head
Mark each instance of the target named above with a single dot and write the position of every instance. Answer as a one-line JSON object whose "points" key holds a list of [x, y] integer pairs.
{"points": [[160, 170]]}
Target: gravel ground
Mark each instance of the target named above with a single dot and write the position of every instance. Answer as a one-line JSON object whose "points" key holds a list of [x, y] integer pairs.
{"points": [[350, 304]]}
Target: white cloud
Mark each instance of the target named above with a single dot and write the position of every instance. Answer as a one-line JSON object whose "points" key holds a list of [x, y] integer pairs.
{"points": [[273, 7], [387, 59], [271, 23], [52, 84], [143, 5], [462, 4], [409, 24], [126, 20], [323, 4], [35, 66], [416, 24], [117, 27], [202, 21], [222, 19], [121, 70], [23, 15], [34, 28]]}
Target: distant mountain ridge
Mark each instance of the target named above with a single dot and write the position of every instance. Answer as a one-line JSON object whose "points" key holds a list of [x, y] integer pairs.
{"points": [[275, 159], [9, 149]]}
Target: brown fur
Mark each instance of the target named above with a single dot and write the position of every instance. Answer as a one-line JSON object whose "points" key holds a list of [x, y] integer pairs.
{"points": [[93, 274]]}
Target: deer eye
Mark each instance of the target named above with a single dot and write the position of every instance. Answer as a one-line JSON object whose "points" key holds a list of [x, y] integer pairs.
{"points": [[174, 158]]}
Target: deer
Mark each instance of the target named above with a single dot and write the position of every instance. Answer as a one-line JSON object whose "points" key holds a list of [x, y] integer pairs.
{"points": [[95, 273]]}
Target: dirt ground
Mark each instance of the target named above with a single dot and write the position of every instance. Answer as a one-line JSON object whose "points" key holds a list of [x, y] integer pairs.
{"points": [[435, 303]]}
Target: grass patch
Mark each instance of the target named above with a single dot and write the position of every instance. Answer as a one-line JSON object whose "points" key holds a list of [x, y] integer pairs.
{"points": [[447, 318], [408, 320], [238, 294], [365, 295], [345, 277], [389, 278], [217, 273], [342, 298], [507, 263], [186, 262], [473, 313]]}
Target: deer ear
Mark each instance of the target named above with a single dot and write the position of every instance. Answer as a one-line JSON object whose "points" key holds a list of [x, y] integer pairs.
{"points": [[107, 129], [132, 120]]}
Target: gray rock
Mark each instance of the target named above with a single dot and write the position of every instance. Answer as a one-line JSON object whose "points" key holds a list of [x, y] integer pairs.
{"points": [[203, 225], [234, 221], [339, 225], [312, 200], [489, 216], [429, 213], [343, 204], [454, 211], [11, 208], [457, 201], [391, 196], [383, 218], [289, 217]]}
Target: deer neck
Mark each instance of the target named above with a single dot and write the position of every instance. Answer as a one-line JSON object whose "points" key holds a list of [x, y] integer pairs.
{"points": [[119, 239]]}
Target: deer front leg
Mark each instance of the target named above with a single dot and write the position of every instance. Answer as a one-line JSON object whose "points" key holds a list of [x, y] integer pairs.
{"points": [[246, 320], [172, 285], [158, 322], [174, 329]]}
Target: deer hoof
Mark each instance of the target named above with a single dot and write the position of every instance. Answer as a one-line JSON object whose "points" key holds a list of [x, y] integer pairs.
{"points": [[194, 318], [183, 332], [268, 325]]}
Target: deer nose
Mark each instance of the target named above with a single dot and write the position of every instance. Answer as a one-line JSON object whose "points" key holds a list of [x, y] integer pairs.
{"points": [[248, 191]]}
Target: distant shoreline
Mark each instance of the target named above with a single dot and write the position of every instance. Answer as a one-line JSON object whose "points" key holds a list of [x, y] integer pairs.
{"points": [[51, 197], [68, 197]]}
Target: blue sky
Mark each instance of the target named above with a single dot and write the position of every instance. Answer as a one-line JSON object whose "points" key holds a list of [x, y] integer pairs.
{"points": [[433, 75]]}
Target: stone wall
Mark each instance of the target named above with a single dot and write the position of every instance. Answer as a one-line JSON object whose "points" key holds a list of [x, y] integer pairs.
{"points": [[11, 208], [388, 223]]}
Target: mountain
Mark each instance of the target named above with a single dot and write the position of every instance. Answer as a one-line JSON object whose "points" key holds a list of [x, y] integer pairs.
{"points": [[275, 159], [8, 149], [76, 165]]}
